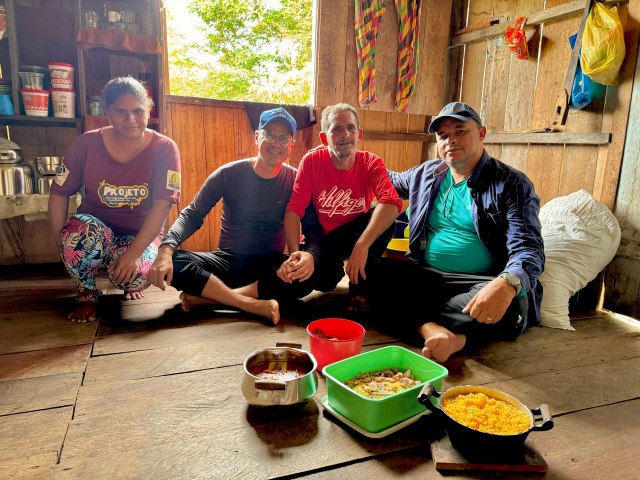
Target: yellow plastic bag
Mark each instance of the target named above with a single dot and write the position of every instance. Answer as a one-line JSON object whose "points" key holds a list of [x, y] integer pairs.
{"points": [[602, 45]]}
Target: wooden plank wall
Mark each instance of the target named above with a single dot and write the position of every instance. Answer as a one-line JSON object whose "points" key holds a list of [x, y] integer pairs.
{"points": [[516, 95], [622, 276], [336, 58], [210, 133]]}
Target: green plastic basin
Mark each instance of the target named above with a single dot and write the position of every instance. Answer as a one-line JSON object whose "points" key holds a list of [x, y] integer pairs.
{"points": [[377, 414]]}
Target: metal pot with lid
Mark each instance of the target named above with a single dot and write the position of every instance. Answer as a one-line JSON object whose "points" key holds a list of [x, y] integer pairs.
{"points": [[10, 152]]}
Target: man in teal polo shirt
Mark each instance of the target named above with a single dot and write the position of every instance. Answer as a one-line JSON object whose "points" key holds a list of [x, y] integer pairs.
{"points": [[475, 242]]}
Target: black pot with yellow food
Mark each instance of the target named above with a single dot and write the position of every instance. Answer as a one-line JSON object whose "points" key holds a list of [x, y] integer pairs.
{"points": [[484, 424]]}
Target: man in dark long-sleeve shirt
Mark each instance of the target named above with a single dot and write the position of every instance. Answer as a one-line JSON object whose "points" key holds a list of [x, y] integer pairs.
{"points": [[475, 244], [254, 192]]}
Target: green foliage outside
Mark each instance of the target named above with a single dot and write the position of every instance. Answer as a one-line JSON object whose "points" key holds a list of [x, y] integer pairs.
{"points": [[254, 50]]}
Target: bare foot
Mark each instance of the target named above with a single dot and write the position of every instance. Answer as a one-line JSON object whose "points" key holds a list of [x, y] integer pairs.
{"points": [[440, 343], [270, 309], [190, 301], [134, 295], [85, 312]]}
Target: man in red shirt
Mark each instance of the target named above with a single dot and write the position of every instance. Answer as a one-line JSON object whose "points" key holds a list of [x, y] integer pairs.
{"points": [[343, 184]]}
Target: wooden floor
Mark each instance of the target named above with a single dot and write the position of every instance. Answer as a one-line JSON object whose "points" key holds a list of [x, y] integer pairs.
{"points": [[152, 393]]}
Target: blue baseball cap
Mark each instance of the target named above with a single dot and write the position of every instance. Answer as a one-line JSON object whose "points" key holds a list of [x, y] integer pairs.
{"points": [[278, 115], [457, 110]]}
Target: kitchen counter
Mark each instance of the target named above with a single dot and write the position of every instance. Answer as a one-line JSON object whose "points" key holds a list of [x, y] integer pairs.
{"points": [[33, 206]]}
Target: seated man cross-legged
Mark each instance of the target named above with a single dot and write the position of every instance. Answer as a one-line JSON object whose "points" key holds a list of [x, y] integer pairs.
{"points": [[475, 242], [254, 192], [340, 183]]}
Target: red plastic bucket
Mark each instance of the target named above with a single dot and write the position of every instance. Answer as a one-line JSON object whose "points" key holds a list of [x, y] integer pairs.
{"points": [[334, 339]]}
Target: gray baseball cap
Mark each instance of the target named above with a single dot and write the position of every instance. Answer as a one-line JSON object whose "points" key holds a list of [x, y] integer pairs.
{"points": [[457, 110]]}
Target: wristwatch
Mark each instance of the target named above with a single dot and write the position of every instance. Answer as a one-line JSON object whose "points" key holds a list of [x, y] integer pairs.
{"points": [[512, 280]]}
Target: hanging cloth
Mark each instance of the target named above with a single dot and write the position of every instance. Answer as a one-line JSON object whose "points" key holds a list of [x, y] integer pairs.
{"points": [[408, 12], [367, 23]]}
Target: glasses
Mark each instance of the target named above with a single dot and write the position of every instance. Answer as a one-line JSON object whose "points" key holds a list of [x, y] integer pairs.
{"points": [[283, 140]]}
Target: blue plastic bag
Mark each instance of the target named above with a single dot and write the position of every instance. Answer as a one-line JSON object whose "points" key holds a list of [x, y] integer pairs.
{"points": [[584, 90]]}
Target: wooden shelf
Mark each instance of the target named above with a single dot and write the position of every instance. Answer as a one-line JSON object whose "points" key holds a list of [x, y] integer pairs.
{"points": [[31, 205], [31, 121]]}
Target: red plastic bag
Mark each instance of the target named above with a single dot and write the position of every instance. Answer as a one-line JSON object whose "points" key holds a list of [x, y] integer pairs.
{"points": [[517, 40]]}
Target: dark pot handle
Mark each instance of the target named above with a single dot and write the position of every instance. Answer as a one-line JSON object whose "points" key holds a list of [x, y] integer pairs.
{"points": [[289, 344], [542, 420], [270, 385], [424, 397]]}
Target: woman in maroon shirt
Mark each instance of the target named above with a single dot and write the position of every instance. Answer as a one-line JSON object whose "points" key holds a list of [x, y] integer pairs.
{"points": [[129, 176]]}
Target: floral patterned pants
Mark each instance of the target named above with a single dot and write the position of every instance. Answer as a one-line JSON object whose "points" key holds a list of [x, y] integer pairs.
{"points": [[88, 245]]}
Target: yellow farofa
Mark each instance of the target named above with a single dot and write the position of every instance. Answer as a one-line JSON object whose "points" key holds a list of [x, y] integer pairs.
{"points": [[487, 414]]}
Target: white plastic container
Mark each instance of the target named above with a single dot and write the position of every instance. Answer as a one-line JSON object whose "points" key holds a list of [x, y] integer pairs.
{"points": [[64, 103], [61, 75], [36, 102]]}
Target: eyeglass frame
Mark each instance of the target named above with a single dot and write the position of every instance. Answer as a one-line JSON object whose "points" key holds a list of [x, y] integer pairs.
{"points": [[284, 140]]}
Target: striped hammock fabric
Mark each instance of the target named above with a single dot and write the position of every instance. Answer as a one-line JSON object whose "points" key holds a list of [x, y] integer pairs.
{"points": [[408, 30], [367, 24], [368, 16]]}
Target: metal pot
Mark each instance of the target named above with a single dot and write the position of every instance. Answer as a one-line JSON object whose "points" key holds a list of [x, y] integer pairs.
{"points": [[482, 446], [16, 180], [286, 358]]}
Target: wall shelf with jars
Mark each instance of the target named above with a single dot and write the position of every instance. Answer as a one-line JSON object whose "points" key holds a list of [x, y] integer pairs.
{"points": [[90, 41], [120, 38]]}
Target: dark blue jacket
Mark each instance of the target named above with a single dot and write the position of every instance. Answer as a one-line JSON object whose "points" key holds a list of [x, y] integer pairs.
{"points": [[505, 214]]}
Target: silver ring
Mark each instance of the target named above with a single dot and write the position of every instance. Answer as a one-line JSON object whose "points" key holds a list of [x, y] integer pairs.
{"points": [[490, 319]]}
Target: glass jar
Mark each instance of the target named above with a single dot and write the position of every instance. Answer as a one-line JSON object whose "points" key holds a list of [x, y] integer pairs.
{"points": [[95, 106], [90, 19]]}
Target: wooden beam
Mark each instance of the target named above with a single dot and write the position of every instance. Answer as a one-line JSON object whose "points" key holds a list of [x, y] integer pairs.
{"points": [[399, 137], [550, 15], [512, 138], [32, 204], [548, 138]]}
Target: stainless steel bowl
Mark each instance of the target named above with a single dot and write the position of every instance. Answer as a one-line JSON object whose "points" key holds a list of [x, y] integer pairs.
{"points": [[48, 165]]}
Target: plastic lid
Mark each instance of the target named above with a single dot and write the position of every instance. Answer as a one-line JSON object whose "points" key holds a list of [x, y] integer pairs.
{"points": [[34, 68], [60, 64]]}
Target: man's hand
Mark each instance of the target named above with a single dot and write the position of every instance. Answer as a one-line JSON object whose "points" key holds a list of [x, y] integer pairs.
{"points": [[299, 266], [356, 263], [161, 272], [491, 302]]}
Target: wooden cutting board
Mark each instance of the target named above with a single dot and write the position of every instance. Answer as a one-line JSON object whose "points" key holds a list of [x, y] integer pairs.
{"points": [[445, 457]]}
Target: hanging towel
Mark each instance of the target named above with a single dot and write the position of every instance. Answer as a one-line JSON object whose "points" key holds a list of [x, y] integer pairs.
{"points": [[305, 115], [408, 12], [367, 23]]}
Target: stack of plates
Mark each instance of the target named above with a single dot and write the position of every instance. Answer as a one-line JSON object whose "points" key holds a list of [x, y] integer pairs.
{"points": [[5, 87]]}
